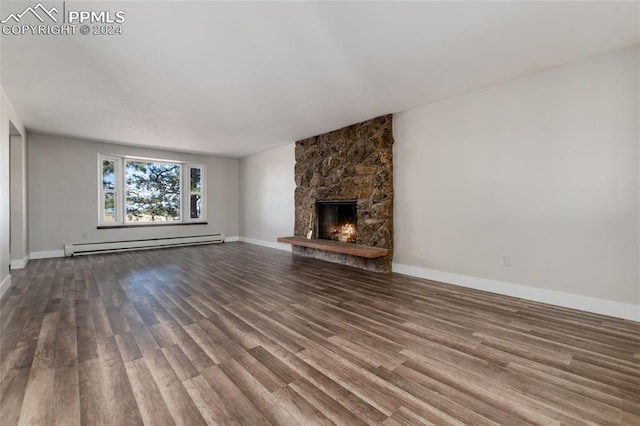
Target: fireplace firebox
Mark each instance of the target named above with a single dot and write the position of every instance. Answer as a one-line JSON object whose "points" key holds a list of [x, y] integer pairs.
{"points": [[337, 220]]}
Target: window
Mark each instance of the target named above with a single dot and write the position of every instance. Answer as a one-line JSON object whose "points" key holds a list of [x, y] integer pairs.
{"points": [[136, 191], [195, 192], [109, 194], [152, 191]]}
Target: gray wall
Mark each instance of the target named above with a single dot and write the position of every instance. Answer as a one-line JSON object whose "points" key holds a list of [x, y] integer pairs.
{"points": [[266, 196], [543, 169], [7, 117], [19, 208], [63, 194]]}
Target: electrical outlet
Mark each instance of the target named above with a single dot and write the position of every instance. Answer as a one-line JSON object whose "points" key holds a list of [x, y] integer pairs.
{"points": [[506, 260]]}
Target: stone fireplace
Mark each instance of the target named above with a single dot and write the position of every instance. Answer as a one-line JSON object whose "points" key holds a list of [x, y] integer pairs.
{"points": [[341, 173]]}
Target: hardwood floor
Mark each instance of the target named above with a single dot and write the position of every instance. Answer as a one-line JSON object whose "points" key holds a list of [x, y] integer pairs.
{"points": [[241, 334]]}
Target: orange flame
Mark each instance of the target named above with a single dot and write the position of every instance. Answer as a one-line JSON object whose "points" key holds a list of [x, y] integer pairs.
{"points": [[346, 233]]}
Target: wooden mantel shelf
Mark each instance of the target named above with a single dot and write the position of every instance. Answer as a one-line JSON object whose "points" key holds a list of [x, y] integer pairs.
{"points": [[337, 247]]}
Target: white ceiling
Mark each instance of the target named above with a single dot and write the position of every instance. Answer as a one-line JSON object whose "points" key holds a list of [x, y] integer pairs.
{"points": [[239, 78]]}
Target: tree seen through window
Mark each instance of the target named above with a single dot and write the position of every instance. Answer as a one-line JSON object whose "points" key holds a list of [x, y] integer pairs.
{"points": [[152, 191]]}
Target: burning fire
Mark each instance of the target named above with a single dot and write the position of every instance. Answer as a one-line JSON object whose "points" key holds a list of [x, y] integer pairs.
{"points": [[345, 233]]}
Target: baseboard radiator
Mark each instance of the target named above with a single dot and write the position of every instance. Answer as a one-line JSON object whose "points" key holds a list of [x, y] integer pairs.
{"points": [[90, 248]]}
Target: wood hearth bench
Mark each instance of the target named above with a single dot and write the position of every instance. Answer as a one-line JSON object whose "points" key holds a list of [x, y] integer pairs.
{"points": [[337, 247]]}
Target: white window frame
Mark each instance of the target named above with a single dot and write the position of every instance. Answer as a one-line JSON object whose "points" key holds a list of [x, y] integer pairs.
{"points": [[186, 205], [120, 191], [118, 185]]}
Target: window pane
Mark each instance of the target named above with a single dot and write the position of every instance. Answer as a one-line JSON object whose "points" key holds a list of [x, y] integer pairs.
{"points": [[153, 191], [109, 207], [195, 206], [108, 174], [196, 179]]}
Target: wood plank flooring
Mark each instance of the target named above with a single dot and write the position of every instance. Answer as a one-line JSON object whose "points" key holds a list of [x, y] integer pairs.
{"points": [[241, 334]]}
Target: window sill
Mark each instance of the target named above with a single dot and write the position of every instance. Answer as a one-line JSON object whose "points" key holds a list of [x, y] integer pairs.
{"points": [[147, 225]]}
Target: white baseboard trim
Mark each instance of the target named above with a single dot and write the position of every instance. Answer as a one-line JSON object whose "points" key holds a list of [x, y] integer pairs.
{"points": [[6, 283], [46, 254], [20, 263], [567, 300], [60, 253], [270, 244]]}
